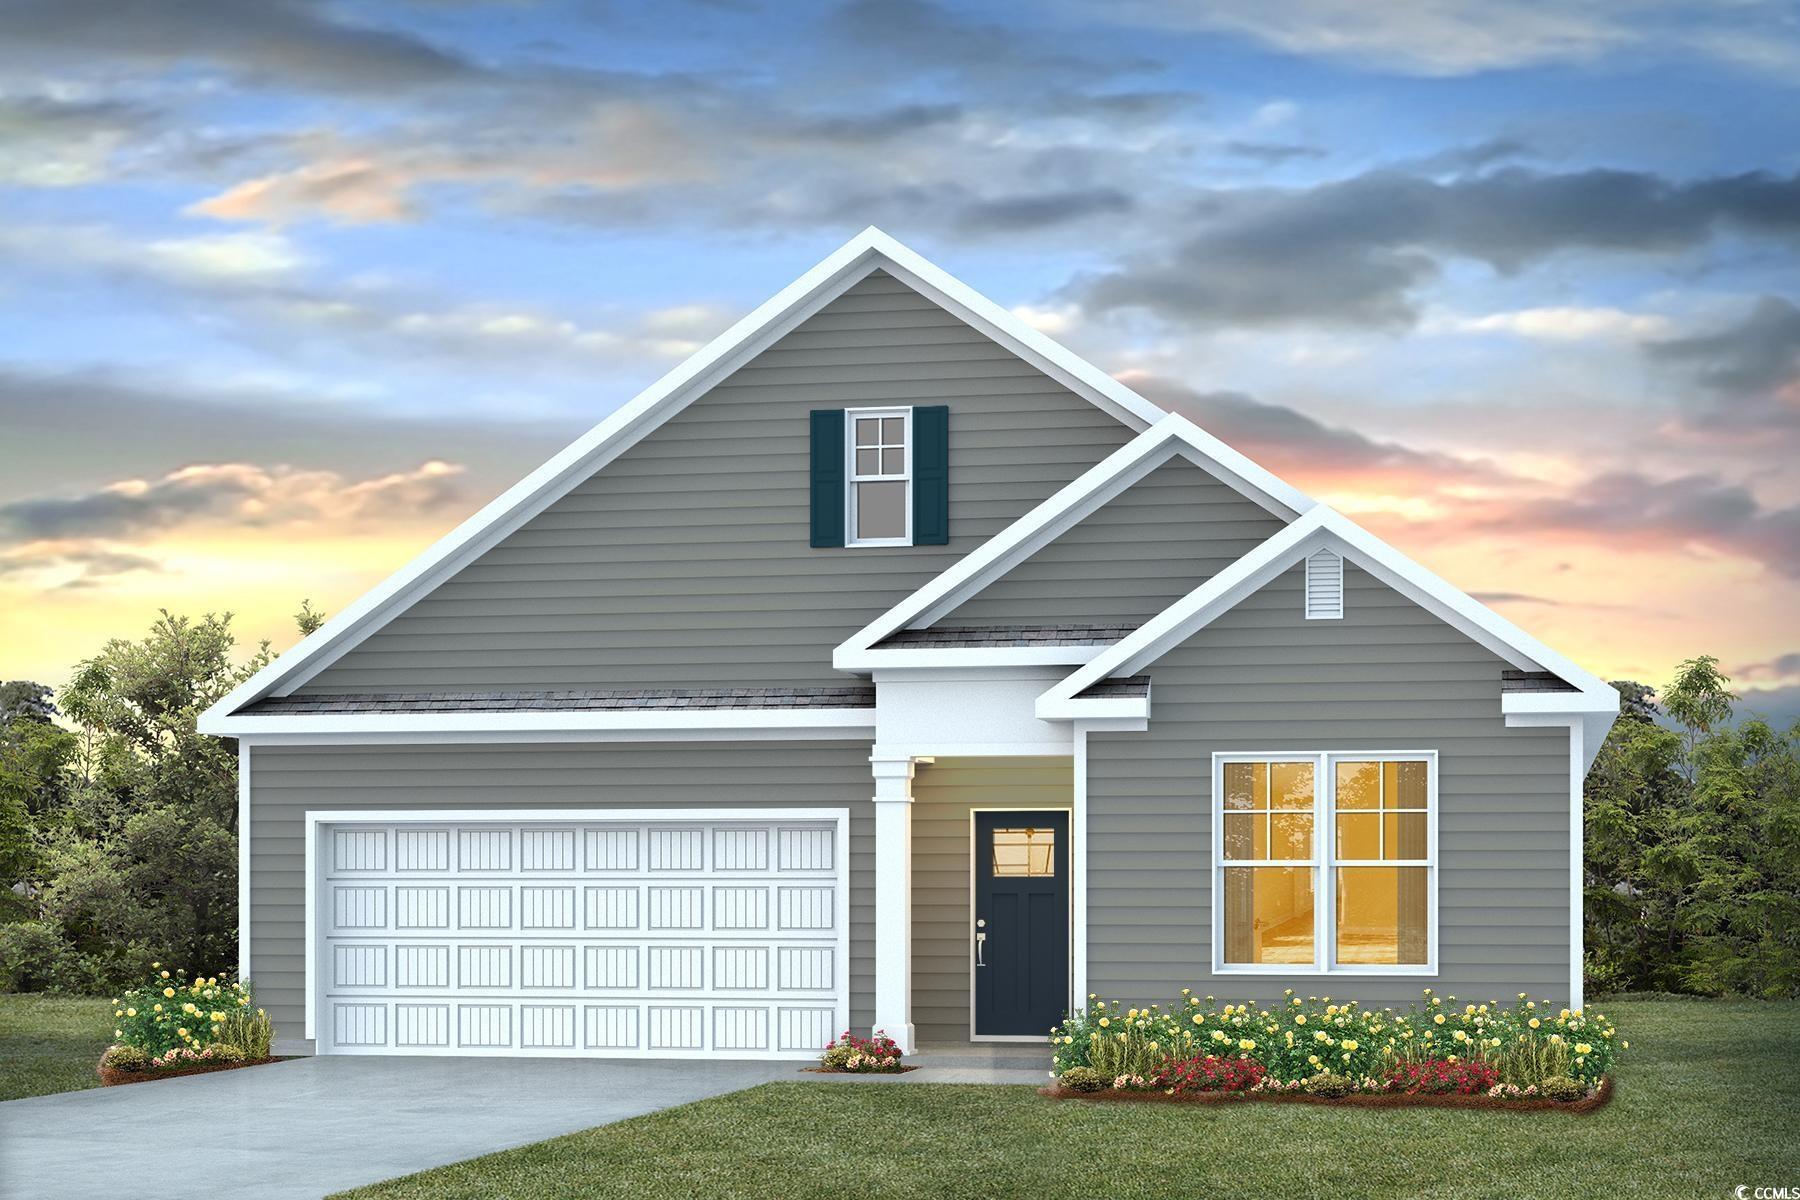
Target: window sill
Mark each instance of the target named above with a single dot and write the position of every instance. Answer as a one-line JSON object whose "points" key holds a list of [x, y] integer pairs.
{"points": [[1410, 971], [882, 544]]}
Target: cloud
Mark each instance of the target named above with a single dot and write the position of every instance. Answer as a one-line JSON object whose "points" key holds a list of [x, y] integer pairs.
{"points": [[1462, 37], [71, 565], [1781, 667], [1759, 353], [1294, 443], [58, 141], [290, 41], [1016, 214], [1356, 251], [1626, 508], [1273, 153], [240, 494], [1566, 324]]}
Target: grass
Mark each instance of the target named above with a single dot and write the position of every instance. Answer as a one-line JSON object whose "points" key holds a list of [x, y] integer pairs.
{"points": [[1707, 1099], [51, 1043]]}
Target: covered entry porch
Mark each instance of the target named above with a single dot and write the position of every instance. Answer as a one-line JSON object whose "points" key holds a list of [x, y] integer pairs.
{"points": [[980, 948]]}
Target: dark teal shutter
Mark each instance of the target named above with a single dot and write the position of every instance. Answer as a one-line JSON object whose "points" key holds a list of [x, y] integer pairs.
{"points": [[931, 476], [828, 477]]}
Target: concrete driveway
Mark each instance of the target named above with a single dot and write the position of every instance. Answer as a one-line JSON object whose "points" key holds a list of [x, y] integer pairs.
{"points": [[311, 1126]]}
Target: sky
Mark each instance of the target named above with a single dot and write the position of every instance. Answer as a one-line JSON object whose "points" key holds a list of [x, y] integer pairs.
{"points": [[288, 289]]}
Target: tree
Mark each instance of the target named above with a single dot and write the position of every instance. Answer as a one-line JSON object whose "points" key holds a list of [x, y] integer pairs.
{"points": [[308, 619], [132, 854], [21, 699], [1693, 846]]}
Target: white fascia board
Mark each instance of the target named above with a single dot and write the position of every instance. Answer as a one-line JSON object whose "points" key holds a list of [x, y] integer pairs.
{"points": [[952, 657], [1319, 527], [1067, 507], [722, 721]]}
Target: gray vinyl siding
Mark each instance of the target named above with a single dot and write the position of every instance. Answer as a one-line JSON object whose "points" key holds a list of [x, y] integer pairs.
{"points": [[1387, 676], [686, 561], [285, 782], [944, 795], [1130, 559]]}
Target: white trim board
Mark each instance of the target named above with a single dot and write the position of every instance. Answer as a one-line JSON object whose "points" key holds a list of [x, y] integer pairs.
{"points": [[1171, 437], [712, 722], [867, 252], [1322, 527]]}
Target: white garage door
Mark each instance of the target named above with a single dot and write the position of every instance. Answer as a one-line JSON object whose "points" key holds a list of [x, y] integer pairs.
{"points": [[652, 937]]}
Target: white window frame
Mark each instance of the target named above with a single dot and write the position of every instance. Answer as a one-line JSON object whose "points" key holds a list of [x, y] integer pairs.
{"points": [[1324, 863], [852, 477]]}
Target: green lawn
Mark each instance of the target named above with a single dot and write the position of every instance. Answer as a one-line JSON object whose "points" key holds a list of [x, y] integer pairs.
{"points": [[1708, 1098], [51, 1043]]}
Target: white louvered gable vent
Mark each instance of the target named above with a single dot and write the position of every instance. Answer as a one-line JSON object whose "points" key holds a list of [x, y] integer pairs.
{"points": [[1324, 586]]}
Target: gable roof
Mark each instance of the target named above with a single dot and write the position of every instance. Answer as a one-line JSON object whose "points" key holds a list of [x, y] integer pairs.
{"points": [[867, 252], [1584, 696], [1174, 435]]}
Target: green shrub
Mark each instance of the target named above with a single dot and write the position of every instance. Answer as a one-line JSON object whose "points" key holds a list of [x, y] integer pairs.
{"points": [[249, 1029], [228, 1052], [125, 1058], [1300, 1037], [1563, 1089], [1132, 1051], [1330, 1085], [29, 953], [170, 1012], [1083, 1079]]}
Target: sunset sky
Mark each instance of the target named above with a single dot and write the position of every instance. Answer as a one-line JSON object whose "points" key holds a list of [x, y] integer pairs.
{"points": [[288, 289]]}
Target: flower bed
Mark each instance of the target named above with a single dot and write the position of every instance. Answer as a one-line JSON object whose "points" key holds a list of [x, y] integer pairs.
{"points": [[175, 1026], [851, 1055], [1315, 1051]]}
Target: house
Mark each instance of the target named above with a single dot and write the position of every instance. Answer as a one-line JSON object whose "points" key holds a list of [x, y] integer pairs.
{"points": [[887, 665]]}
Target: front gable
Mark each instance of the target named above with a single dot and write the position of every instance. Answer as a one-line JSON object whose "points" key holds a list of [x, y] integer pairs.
{"points": [[1128, 560]]}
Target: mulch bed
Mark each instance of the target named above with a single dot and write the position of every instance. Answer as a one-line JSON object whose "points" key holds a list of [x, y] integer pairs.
{"points": [[112, 1076], [1602, 1095], [830, 1071]]}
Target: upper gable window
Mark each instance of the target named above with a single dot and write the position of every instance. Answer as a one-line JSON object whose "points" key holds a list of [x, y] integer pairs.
{"points": [[879, 471]]}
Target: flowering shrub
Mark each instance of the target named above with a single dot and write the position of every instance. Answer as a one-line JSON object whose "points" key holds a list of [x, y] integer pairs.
{"points": [[1299, 1038], [851, 1053], [1208, 1074], [1440, 1076], [170, 1013]]}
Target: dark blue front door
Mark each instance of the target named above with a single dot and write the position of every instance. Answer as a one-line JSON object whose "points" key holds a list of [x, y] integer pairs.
{"points": [[1021, 922]]}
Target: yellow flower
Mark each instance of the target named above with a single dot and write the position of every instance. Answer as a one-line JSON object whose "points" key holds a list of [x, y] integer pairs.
{"points": [[187, 1008], [1534, 1022], [1347, 1044], [1246, 1044], [1583, 1048], [131, 1012], [1105, 1021], [1300, 1020], [1439, 1019], [165, 974], [168, 991], [1199, 1018], [1626, 1045], [182, 1031], [118, 1033], [1313, 1059], [159, 1008]]}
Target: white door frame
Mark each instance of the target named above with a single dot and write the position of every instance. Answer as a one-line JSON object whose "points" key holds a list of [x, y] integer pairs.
{"points": [[319, 820]]}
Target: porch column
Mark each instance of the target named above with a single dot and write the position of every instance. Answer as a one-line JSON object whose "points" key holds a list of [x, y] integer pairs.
{"points": [[893, 898]]}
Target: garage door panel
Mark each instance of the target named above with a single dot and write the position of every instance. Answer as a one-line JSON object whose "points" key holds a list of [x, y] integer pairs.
{"points": [[590, 937]]}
